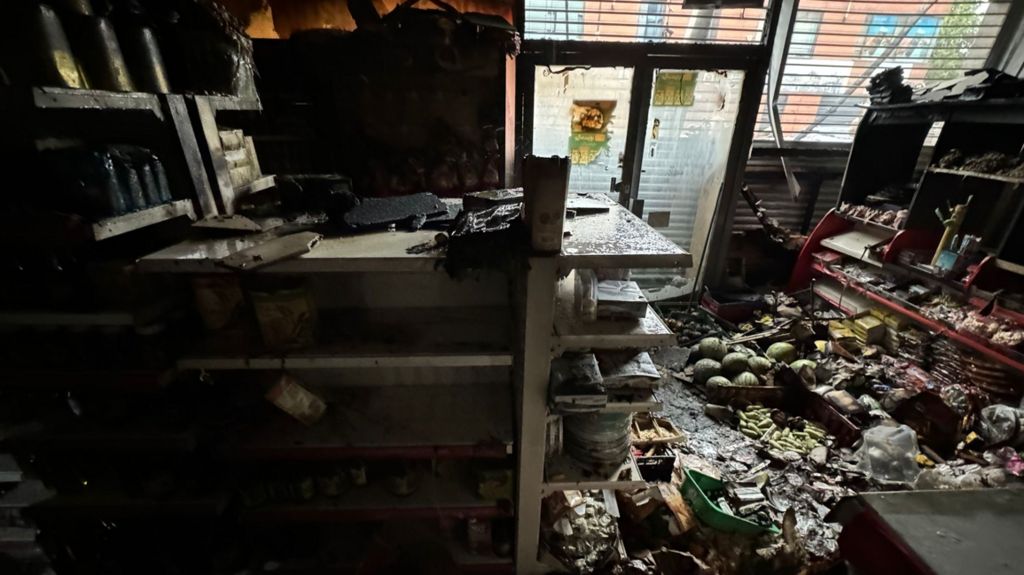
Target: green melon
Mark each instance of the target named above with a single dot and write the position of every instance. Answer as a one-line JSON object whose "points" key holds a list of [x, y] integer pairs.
{"points": [[782, 351], [746, 379], [719, 381], [802, 363], [759, 365], [705, 369], [712, 348], [734, 363]]}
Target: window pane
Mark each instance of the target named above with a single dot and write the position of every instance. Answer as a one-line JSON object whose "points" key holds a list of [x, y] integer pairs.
{"points": [[583, 113], [686, 146], [827, 75]]}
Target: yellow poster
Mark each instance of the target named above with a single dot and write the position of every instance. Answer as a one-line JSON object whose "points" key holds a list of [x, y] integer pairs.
{"points": [[589, 136], [674, 88]]}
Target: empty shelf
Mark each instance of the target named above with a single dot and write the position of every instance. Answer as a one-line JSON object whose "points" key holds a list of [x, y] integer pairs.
{"points": [[423, 422]]}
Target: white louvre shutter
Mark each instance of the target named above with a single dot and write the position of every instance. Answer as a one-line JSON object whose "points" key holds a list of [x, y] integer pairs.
{"points": [[838, 45]]}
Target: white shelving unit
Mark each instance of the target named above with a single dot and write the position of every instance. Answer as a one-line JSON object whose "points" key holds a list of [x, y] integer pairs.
{"points": [[612, 240], [414, 365]]}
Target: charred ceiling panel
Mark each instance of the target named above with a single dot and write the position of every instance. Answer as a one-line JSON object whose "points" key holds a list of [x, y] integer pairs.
{"points": [[282, 18]]}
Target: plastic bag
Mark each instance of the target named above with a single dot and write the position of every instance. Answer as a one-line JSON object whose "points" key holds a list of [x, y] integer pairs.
{"points": [[1001, 424], [887, 454]]}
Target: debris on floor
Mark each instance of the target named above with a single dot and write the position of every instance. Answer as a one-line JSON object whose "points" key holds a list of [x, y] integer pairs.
{"points": [[771, 419]]}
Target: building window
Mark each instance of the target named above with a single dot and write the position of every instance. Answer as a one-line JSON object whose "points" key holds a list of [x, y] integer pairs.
{"points": [[805, 33], [880, 34], [652, 22], [899, 36]]}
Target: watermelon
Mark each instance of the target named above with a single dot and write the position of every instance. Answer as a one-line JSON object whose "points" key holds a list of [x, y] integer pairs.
{"points": [[705, 369], [712, 348]]}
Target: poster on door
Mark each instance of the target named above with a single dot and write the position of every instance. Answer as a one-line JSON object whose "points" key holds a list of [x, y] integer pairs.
{"points": [[589, 135], [674, 89]]}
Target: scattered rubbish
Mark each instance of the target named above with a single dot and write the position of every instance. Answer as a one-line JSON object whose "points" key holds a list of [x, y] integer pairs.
{"points": [[628, 370], [484, 239], [579, 529], [296, 400], [1001, 424], [620, 300], [490, 198], [887, 87], [576, 385], [271, 251], [410, 210], [888, 454]]}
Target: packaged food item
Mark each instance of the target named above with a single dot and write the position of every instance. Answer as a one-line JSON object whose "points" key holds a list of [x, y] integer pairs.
{"points": [[287, 316], [219, 299], [296, 400]]}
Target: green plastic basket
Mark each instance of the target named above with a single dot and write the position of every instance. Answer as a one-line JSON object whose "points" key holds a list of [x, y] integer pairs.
{"points": [[695, 490]]}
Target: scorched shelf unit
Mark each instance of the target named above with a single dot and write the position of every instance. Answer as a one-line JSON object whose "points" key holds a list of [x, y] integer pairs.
{"points": [[615, 239]]}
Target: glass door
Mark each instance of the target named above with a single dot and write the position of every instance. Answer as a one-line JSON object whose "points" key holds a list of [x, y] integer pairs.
{"points": [[583, 113], [690, 125]]}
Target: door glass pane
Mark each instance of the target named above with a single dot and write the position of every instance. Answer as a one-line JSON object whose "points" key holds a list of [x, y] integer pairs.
{"points": [[686, 145], [583, 113]]}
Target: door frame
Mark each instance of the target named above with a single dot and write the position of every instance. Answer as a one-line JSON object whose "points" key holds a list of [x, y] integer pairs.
{"points": [[715, 222]]}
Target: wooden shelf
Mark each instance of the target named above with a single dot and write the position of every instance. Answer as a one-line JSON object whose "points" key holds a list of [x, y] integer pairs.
{"points": [[642, 401], [60, 379], [234, 103], [257, 185], [120, 505], [864, 222], [370, 252], [436, 497], [1010, 267], [857, 244], [47, 98], [399, 337], [117, 225], [10, 471], [977, 175], [618, 239], [25, 494], [971, 342], [393, 422], [572, 333], [562, 473], [478, 562], [66, 319], [145, 438], [651, 331]]}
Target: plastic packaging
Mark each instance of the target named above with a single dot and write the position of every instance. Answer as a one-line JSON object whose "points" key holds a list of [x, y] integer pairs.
{"points": [[296, 400], [586, 295], [1001, 424], [287, 317], [628, 369], [888, 453]]}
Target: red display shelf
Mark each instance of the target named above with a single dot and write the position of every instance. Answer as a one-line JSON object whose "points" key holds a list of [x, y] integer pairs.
{"points": [[984, 348]]}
